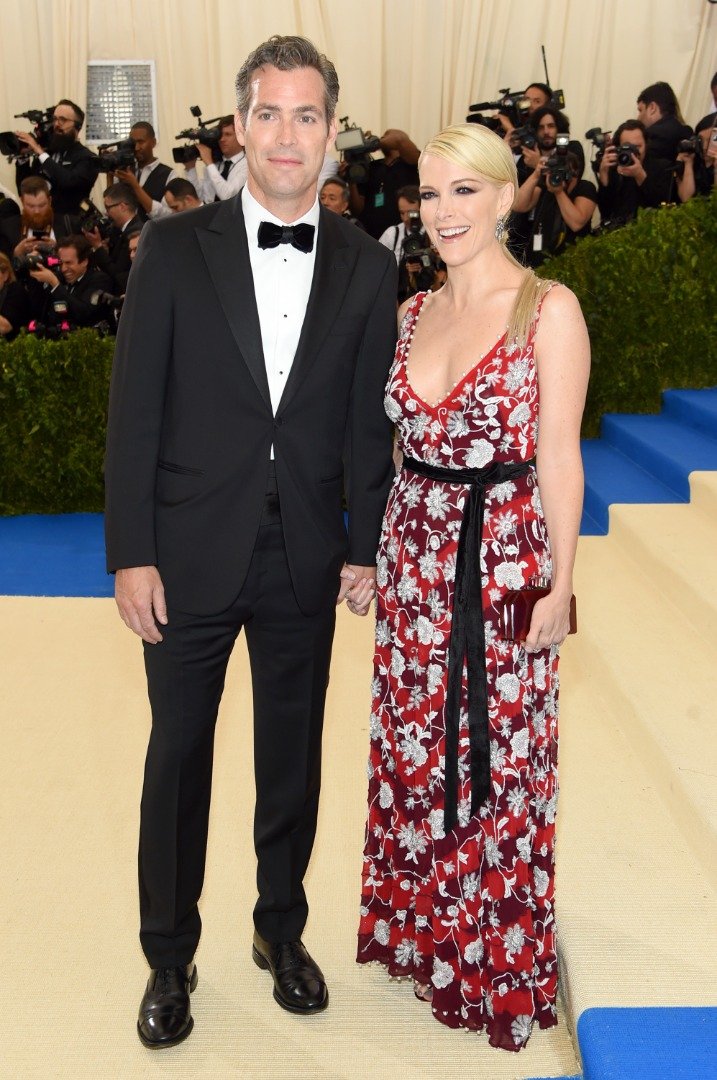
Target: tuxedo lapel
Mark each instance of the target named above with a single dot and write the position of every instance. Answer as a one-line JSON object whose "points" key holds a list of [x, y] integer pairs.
{"points": [[335, 259], [225, 250]]}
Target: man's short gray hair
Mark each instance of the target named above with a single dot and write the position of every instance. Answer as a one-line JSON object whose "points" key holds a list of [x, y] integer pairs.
{"points": [[287, 54]]}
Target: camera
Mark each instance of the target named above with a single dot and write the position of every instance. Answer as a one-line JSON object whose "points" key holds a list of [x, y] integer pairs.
{"points": [[627, 153], [557, 167], [42, 122], [116, 155], [91, 218], [512, 103], [414, 242], [692, 145], [44, 255], [99, 298], [203, 133], [356, 149], [598, 137], [523, 137], [491, 122]]}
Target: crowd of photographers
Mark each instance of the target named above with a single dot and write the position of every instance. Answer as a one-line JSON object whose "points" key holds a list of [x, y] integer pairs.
{"points": [[64, 263]]}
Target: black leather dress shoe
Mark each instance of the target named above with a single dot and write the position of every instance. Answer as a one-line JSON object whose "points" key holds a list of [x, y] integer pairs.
{"points": [[298, 983], [165, 1017]]}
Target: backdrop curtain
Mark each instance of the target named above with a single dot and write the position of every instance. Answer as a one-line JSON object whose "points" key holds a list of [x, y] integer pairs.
{"points": [[412, 64]]}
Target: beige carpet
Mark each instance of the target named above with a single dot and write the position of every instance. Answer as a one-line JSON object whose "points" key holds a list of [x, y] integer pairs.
{"points": [[637, 857], [74, 727]]}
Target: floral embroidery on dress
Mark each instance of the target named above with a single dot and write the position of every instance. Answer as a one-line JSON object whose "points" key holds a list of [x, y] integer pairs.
{"points": [[471, 913]]}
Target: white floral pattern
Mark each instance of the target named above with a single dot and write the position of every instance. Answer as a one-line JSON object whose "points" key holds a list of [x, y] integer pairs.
{"points": [[470, 912]]}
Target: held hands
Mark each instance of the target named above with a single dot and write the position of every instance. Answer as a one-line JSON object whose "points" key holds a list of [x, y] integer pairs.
{"points": [[550, 622], [140, 598], [358, 587]]}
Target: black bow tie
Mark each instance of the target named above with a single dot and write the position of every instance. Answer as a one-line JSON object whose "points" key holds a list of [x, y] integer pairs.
{"points": [[299, 236]]}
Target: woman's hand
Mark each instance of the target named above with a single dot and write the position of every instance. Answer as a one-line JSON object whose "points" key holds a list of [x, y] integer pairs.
{"points": [[550, 622]]}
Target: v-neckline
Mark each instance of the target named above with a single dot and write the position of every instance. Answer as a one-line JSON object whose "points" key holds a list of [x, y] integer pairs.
{"points": [[466, 374]]}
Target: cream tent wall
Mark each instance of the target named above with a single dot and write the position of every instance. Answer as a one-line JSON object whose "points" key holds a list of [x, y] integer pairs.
{"points": [[413, 64]]}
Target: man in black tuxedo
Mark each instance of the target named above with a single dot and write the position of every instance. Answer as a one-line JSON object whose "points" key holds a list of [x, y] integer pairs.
{"points": [[70, 167], [225, 469], [71, 288]]}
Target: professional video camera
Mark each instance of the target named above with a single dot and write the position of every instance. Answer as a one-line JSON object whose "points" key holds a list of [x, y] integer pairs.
{"points": [[91, 218], [414, 247], [557, 167], [41, 119], [116, 155], [513, 102], [356, 149], [203, 133], [43, 255], [598, 138]]}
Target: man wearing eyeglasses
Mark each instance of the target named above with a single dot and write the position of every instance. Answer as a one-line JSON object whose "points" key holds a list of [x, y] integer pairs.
{"points": [[68, 166], [113, 255]]}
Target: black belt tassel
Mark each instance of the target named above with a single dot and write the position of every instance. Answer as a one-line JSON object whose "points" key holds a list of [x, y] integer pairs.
{"points": [[467, 640]]}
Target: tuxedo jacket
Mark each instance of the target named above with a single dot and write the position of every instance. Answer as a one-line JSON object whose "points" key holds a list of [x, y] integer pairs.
{"points": [[191, 423], [71, 178], [116, 261], [78, 297]]}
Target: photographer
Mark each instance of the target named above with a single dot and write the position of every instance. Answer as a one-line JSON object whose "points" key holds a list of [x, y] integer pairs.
{"points": [[408, 199], [375, 202], [69, 166], [548, 123], [538, 96], [9, 221], [68, 289], [112, 256], [559, 203], [224, 178], [659, 110], [697, 173], [629, 177], [150, 176], [14, 309], [334, 195], [38, 222], [180, 195], [417, 261]]}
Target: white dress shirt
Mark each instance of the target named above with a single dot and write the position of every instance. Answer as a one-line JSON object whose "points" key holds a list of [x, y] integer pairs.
{"points": [[213, 183], [393, 238], [159, 209], [282, 283]]}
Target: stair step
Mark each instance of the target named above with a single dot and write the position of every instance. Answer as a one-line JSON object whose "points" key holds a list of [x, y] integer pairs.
{"points": [[703, 488], [674, 546], [661, 672], [697, 408], [611, 477], [666, 448]]}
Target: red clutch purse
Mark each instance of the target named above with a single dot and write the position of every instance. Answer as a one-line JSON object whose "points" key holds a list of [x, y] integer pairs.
{"points": [[517, 611]]}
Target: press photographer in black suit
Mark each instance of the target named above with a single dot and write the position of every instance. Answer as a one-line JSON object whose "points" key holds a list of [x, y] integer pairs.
{"points": [[112, 255], [659, 110], [70, 167], [639, 181], [247, 395], [69, 288]]}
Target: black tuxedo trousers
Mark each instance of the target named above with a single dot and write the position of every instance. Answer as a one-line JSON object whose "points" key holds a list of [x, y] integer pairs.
{"points": [[240, 543]]}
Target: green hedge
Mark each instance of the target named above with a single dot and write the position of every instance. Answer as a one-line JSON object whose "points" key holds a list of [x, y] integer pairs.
{"points": [[649, 293], [53, 412]]}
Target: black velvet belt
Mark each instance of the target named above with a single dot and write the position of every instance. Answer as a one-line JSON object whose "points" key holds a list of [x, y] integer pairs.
{"points": [[467, 630]]}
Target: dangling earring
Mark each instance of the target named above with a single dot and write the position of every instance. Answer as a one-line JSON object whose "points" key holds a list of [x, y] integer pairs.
{"points": [[500, 229]]}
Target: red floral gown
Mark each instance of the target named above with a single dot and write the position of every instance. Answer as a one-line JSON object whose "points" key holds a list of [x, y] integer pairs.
{"points": [[470, 913]]}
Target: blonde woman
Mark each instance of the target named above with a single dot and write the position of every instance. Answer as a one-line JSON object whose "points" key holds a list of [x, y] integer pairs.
{"points": [[487, 392]]}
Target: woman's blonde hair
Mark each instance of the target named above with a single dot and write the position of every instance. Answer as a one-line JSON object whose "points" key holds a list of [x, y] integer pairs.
{"points": [[481, 151], [5, 264]]}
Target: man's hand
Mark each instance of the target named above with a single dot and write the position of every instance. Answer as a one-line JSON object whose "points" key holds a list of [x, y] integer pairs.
{"points": [[205, 154], [608, 161], [27, 245], [46, 276], [128, 177], [358, 587], [139, 593], [532, 156], [30, 140], [635, 170], [94, 238]]}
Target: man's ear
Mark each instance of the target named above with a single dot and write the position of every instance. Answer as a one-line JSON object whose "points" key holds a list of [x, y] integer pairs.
{"points": [[331, 137], [239, 129]]}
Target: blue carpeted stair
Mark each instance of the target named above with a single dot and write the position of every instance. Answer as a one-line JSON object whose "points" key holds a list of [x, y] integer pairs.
{"points": [[648, 459]]}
